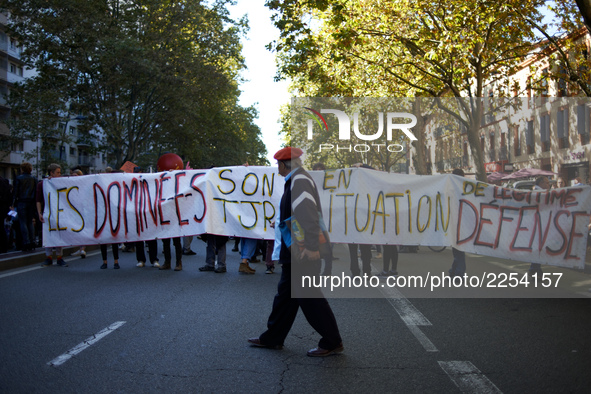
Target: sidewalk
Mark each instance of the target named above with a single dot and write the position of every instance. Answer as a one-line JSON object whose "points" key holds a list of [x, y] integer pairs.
{"points": [[18, 259]]}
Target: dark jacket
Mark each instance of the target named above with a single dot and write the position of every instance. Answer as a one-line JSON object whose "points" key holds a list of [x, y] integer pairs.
{"points": [[25, 187]]}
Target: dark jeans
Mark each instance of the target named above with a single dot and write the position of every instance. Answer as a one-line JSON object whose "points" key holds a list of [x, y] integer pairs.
{"points": [[178, 249], [458, 267], [26, 212], [390, 255], [365, 258], [215, 245], [114, 247]]}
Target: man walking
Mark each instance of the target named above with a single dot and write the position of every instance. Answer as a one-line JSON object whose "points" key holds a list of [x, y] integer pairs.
{"points": [[300, 202]]}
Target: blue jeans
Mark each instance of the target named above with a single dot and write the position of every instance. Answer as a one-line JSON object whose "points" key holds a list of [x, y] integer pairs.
{"points": [[458, 267], [247, 247]]}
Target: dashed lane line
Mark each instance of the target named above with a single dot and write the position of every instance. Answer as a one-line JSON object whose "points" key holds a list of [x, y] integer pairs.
{"points": [[410, 315], [59, 360], [468, 378]]}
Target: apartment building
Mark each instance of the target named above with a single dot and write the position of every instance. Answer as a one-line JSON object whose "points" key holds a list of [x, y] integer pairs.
{"points": [[548, 128], [77, 152]]}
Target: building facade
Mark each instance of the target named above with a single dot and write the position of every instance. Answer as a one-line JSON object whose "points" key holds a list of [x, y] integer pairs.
{"points": [[547, 128], [79, 151]]}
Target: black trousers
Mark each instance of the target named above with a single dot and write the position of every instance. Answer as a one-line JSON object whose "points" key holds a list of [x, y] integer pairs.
{"points": [[114, 247], [285, 308], [390, 255], [178, 248], [140, 253], [365, 258]]}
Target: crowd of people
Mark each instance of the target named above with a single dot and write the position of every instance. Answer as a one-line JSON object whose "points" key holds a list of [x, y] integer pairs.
{"points": [[23, 203], [22, 207]]}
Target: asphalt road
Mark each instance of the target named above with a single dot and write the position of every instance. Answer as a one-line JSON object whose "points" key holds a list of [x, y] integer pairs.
{"points": [[85, 330]]}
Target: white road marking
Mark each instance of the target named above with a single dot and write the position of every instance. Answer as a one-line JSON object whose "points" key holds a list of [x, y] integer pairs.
{"points": [[407, 311], [467, 377], [59, 360], [410, 315], [422, 338], [20, 271], [67, 260]]}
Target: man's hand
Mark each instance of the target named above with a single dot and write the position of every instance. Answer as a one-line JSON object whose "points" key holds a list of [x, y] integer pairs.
{"points": [[41, 218], [309, 255]]}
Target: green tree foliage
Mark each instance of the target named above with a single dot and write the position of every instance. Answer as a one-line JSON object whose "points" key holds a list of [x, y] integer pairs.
{"points": [[152, 75], [436, 49], [563, 52]]}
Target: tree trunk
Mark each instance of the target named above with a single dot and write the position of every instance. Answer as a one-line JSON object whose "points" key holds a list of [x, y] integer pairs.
{"points": [[585, 10], [419, 145]]}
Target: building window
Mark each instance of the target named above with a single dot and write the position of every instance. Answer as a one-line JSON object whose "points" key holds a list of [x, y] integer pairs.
{"points": [[544, 93], [529, 137], [562, 127], [17, 147], [545, 132], [482, 143], [13, 68], [72, 151], [582, 123], [72, 130], [516, 142]]}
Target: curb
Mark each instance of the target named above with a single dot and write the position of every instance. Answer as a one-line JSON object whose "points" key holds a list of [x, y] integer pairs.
{"points": [[13, 260]]}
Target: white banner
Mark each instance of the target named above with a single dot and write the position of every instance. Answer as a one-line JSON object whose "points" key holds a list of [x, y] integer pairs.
{"points": [[359, 206], [120, 207]]}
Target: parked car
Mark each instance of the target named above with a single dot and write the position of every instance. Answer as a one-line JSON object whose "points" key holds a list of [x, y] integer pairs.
{"points": [[528, 184]]}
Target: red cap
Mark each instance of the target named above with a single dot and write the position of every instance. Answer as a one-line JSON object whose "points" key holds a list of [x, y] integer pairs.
{"points": [[288, 153]]}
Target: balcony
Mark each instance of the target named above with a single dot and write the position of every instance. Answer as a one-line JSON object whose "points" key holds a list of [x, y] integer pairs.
{"points": [[86, 161], [84, 141]]}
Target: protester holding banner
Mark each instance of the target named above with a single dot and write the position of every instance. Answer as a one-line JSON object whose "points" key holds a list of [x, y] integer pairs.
{"points": [[300, 202], [560, 182], [216, 246], [140, 253], [82, 249], [390, 261], [54, 171], [171, 162], [187, 251], [248, 248], [115, 248]]}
